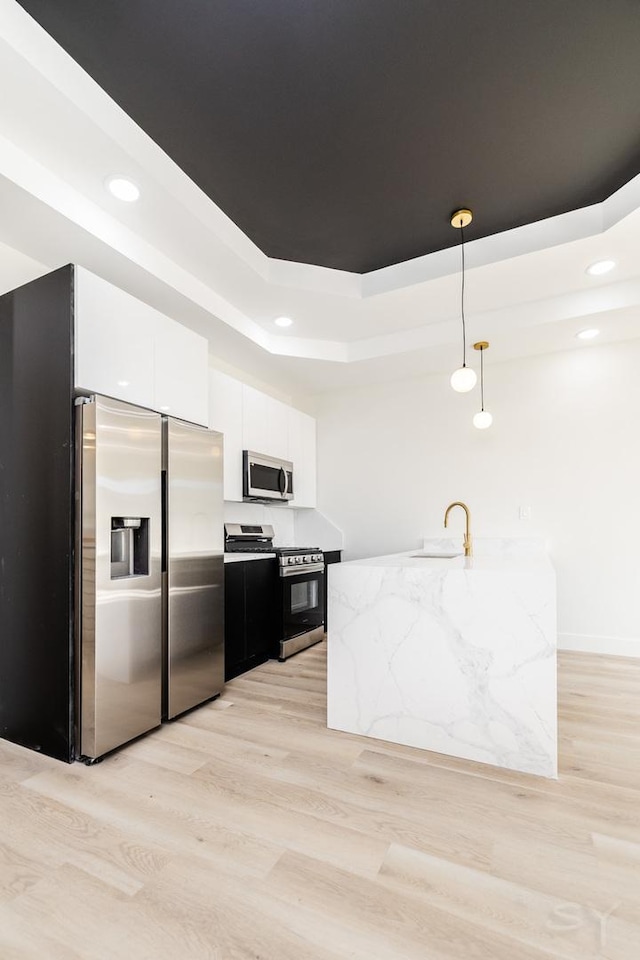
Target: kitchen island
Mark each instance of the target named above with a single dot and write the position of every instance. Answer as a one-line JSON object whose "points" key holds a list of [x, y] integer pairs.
{"points": [[451, 654]]}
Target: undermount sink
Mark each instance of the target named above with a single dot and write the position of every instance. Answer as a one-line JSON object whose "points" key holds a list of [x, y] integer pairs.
{"points": [[435, 556]]}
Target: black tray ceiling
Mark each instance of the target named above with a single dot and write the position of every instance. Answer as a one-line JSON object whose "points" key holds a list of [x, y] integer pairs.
{"points": [[343, 132]]}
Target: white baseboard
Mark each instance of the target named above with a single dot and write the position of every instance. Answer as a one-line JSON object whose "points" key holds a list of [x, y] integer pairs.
{"points": [[612, 646]]}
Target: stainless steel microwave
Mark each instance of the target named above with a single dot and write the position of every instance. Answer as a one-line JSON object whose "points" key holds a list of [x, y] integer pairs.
{"points": [[266, 478]]}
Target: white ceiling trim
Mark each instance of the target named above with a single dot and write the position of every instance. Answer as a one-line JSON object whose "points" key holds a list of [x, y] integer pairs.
{"points": [[41, 51], [28, 39], [28, 170], [34, 178], [571, 306]]}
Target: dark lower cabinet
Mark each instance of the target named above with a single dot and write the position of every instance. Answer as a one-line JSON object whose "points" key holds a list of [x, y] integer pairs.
{"points": [[330, 556], [250, 595]]}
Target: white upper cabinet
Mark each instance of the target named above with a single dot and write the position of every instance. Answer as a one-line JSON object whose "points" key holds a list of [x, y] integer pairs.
{"points": [[127, 350], [302, 451], [265, 424], [278, 429], [225, 415], [252, 420], [181, 372], [114, 351]]}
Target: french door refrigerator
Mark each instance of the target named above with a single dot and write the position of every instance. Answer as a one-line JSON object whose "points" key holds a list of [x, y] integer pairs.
{"points": [[149, 571]]}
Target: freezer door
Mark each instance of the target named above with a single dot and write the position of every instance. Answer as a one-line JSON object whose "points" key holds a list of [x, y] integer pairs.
{"points": [[193, 565], [120, 577]]}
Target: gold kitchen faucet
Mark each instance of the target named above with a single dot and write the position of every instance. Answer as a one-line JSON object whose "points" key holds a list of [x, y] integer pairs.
{"points": [[468, 549]]}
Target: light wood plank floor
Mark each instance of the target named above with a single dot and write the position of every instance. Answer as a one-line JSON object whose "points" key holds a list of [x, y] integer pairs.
{"points": [[248, 831]]}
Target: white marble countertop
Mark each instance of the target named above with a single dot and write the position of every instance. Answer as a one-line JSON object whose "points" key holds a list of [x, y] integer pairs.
{"points": [[454, 655], [483, 564], [237, 557]]}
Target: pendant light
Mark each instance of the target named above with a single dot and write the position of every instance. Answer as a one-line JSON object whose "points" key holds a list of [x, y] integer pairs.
{"points": [[464, 378], [483, 419]]}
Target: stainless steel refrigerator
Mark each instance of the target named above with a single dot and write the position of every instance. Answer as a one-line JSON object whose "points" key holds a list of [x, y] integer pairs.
{"points": [[149, 571], [193, 566]]}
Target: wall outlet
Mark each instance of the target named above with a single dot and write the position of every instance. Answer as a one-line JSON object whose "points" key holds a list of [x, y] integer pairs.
{"points": [[525, 512]]}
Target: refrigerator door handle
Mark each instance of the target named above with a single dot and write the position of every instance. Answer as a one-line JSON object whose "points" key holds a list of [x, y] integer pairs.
{"points": [[164, 497]]}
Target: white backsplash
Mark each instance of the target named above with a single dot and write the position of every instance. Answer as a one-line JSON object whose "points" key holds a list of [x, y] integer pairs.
{"points": [[292, 528], [313, 529], [281, 518]]}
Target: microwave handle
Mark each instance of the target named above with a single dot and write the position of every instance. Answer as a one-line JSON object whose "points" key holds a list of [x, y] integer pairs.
{"points": [[283, 481]]}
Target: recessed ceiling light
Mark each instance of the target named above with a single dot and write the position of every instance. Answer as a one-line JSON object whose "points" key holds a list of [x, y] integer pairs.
{"points": [[587, 334], [599, 267], [283, 321], [123, 383], [123, 189]]}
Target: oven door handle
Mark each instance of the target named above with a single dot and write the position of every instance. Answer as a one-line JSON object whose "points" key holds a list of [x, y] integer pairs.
{"points": [[299, 571]]}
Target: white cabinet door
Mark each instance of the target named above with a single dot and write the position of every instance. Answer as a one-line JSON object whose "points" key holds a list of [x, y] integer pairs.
{"points": [[225, 415], [277, 429], [255, 420], [128, 350], [181, 372], [114, 341], [265, 424], [302, 448]]}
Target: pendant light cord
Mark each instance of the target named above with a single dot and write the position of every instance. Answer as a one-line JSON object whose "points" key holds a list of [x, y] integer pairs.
{"points": [[464, 331], [482, 379]]}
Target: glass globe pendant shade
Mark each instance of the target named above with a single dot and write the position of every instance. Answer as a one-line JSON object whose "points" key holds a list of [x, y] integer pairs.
{"points": [[463, 379], [482, 420]]}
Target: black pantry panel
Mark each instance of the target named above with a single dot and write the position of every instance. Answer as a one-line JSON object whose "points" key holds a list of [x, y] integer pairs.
{"points": [[37, 514]]}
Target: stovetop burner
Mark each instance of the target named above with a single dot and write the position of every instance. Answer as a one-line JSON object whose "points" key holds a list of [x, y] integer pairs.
{"points": [[246, 546]]}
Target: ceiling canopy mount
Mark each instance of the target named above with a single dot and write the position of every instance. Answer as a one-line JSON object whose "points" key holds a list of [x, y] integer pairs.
{"points": [[461, 218]]}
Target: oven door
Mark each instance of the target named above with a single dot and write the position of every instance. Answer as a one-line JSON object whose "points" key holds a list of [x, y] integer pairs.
{"points": [[302, 603]]}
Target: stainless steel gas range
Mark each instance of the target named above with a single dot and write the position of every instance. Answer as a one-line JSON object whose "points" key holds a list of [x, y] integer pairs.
{"points": [[299, 619]]}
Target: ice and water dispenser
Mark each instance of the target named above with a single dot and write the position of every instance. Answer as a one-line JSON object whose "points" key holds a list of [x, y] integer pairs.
{"points": [[129, 547]]}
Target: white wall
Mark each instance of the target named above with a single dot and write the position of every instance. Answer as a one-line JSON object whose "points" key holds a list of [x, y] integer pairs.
{"points": [[565, 441]]}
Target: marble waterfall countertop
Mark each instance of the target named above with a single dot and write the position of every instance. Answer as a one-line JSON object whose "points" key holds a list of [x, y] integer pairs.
{"points": [[455, 655]]}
